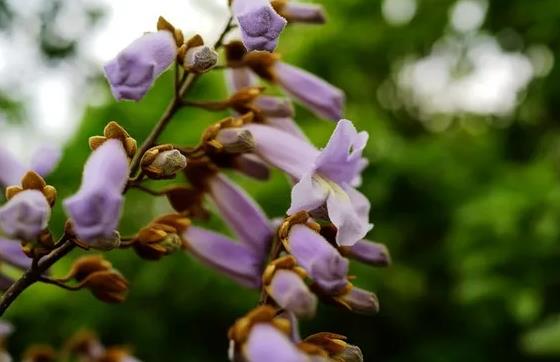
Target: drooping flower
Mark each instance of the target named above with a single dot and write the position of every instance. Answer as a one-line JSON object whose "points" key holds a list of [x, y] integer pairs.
{"points": [[325, 178], [25, 215], [241, 213], [296, 12], [313, 92], [259, 23], [368, 252], [133, 71], [96, 209], [238, 261]]}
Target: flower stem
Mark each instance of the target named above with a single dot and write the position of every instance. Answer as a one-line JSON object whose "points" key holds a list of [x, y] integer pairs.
{"points": [[32, 275]]}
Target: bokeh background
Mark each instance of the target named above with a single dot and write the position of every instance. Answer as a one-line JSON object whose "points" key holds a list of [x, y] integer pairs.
{"points": [[461, 99]]}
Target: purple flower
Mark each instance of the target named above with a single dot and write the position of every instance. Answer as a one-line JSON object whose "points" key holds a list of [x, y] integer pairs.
{"points": [[326, 177], [296, 12], [275, 106], [319, 96], [238, 261], [242, 214], [291, 293], [252, 166], [259, 23], [321, 260], [25, 216], [368, 252], [238, 78], [45, 159], [96, 209], [11, 170], [11, 253], [134, 70], [266, 343]]}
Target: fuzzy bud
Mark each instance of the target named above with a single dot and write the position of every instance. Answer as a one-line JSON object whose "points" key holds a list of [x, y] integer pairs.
{"points": [[107, 285], [200, 59], [163, 162], [162, 237]]}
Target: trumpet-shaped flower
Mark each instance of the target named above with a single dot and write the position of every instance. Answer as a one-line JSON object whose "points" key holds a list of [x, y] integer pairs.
{"points": [[325, 178], [96, 209], [134, 70]]}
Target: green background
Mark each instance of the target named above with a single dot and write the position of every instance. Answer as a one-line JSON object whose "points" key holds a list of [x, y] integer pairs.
{"points": [[470, 215]]}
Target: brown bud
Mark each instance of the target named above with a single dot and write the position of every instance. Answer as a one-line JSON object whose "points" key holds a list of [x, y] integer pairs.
{"points": [[116, 354], [107, 285], [334, 345], [235, 51], [187, 200], [162, 237], [39, 353], [87, 265], [39, 247], [200, 59], [239, 332], [162, 162], [235, 141]]}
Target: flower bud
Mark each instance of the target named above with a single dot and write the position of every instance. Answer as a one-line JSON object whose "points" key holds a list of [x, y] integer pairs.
{"points": [[25, 215], [333, 346], [87, 265], [235, 140], [39, 353], [200, 59], [162, 162], [162, 237], [33, 181], [113, 130], [107, 285]]}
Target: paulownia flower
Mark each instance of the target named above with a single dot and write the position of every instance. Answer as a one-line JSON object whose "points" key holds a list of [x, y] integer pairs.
{"points": [[259, 23], [134, 70], [296, 12], [96, 209], [25, 215], [325, 178], [43, 161]]}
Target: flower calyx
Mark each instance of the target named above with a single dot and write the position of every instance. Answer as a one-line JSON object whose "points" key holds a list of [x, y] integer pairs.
{"points": [[33, 181], [162, 237], [115, 131]]}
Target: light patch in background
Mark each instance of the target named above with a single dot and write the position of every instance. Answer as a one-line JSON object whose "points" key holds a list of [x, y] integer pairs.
{"points": [[468, 15], [56, 96], [398, 12], [490, 86]]}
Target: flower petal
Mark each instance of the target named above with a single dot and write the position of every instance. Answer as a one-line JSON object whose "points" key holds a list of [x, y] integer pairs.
{"points": [[316, 94], [241, 213], [259, 23], [237, 261], [290, 292], [283, 150], [11, 253], [347, 211], [308, 194], [266, 343], [25, 216], [11, 170]]}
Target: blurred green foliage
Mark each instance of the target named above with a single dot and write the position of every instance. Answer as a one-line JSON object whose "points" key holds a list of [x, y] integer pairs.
{"points": [[469, 214]]}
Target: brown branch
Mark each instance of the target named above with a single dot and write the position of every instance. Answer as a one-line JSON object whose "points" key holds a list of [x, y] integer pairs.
{"points": [[32, 275]]}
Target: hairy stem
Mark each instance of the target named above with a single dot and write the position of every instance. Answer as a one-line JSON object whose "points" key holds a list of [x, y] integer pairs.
{"points": [[32, 275]]}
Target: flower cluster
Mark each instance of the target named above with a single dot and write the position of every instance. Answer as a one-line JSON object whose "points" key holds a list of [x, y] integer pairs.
{"points": [[295, 260]]}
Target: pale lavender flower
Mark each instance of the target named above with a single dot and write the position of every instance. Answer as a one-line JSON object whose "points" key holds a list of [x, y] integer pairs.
{"points": [[11, 253], [313, 92], [292, 294], [45, 159], [25, 216], [326, 267], [369, 252], [238, 78], [266, 343], [238, 261], [11, 169], [134, 70], [326, 177], [96, 209], [272, 106], [296, 12], [287, 125], [242, 214], [259, 23]]}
